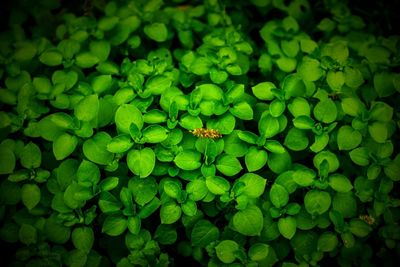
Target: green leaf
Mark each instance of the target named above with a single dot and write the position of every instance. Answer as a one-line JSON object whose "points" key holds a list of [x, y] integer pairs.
{"points": [[226, 251], [7, 160], [304, 177], [55, 232], [188, 160], [340, 183], [263, 91], [348, 138], [259, 251], [64, 145], [204, 233], [200, 66], [353, 77], [170, 212], [325, 111], [293, 86], [254, 185], [255, 159], [383, 84], [310, 69], [127, 114], [95, 149], [31, 156], [359, 228], [120, 144], [303, 122], [330, 157], [225, 124], [299, 107], [88, 108], [109, 183], [352, 106], [279, 196], [88, 172], [101, 49], [83, 238], [296, 139], [155, 134], [380, 111], [268, 126], [114, 225], [101, 83], [51, 58], [190, 122], [392, 169], [134, 224], [143, 190], [317, 202], [197, 189], [335, 79], [327, 242], [86, 60], [27, 234], [217, 185], [156, 31], [360, 156], [242, 110], [30, 195], [141, 162], [287, 227], [156, 85], [378, 131], [248, 222], [228, 165]]}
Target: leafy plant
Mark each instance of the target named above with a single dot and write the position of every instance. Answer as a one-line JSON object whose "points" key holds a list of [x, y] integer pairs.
{"points": [[209, 133]]}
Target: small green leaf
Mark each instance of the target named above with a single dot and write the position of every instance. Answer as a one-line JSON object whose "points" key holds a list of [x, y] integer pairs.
{"points": [[348, 138], [217, 185], [268, 126], [325, 111], [248, 222], [86, 60], [31, 156], [340, 183], [378, 131], [88, 108], [255, 159], [360, 156], [317, 202], [327, 242], [120, 144], [155, 134], [114, 225], [226, 251], [203, 233], [51, 57], [83, 238], [296, 139], [143, 190], [156, 31], [30, 195], [254, 185], [170, 212], [287, 227], [95, 149], [141, 162], [263, 91], [64, 145], [7, 160], [127, 114], [304, 177], [279, 196], [242, 110], [188, 160], [258, 251], [303, 122], [27, 234], [228, 165]]}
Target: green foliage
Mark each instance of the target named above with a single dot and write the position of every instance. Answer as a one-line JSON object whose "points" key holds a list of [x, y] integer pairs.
{"points": [[213, 133]]}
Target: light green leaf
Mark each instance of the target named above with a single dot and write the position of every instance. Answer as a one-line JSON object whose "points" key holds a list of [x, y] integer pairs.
{"points": [[327, 242], [141, 162], [64, 145], [254, 185], [228, 165], [203, 233], [156, 31], [31, 156], [360, 156], [263, 91], [242, 110], [255, 159], [155, 134], [258, 251], [226, 251], [95, 149], [378, 131], [30, 195], [143, 190], [114, 225], [304, 177], [83, 238], [217, 185], [325, 111], [88, 108], [7, 160], [170, 212], [279, 196], [340, 183], [317, 202], [248, 222], [348, 138], [287, 227], [127, 114], [188, 160]]}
